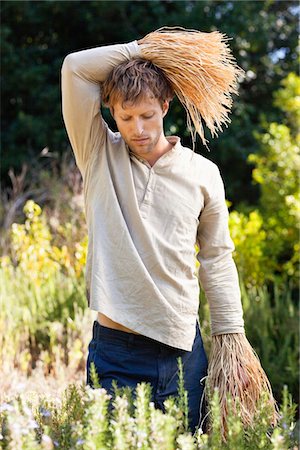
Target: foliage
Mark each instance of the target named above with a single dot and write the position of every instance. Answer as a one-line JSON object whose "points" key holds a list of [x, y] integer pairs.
{"points": [[87, 418], [42, 315], [42, 296], [55, 184], [33, 252], [277, 167], [36, 36], [249, 236], [271, 323], [276, 171], [267, 237], [287, 99]]}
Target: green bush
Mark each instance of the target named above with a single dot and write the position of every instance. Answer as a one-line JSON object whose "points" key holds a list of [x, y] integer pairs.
{"points": [[42, 297], [267, 237], [91, 419], [271, 323], [277, 167], [249, 236]]}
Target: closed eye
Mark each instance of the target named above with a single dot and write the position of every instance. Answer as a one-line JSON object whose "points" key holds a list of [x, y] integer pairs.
{"points": [[144, 116]]}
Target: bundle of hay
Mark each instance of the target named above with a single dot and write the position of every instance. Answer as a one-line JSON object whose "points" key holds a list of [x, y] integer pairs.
{"points": [[201, 70], [234, 369]]}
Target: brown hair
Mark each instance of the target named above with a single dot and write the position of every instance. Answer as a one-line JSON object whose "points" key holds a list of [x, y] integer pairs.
{"points": [[131, 80]]}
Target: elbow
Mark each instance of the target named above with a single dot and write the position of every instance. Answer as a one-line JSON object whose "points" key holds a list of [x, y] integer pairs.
{"points": [[69, 64], [216, 253]]}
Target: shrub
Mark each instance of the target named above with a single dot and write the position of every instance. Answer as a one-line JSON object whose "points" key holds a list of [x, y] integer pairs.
{"points": [[42, 295], [92, 419], [277, 166], [249, 236]]}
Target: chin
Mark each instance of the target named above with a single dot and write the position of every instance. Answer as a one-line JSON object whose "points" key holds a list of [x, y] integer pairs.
{"points": [[142, 150]]}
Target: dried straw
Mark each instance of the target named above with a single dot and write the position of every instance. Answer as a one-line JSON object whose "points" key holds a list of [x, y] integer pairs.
{"points": [[201, 70], [234, 368]]}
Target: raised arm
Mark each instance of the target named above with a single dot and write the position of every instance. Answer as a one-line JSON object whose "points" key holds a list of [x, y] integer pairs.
{"points": [[218, 273], [82, 73]]}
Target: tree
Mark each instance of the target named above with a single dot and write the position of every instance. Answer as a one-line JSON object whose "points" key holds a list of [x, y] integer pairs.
{"points": [[37, 35]]}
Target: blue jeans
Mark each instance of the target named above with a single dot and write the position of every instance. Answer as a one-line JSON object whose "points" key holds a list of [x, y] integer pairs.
{"points": [[130, 359]]}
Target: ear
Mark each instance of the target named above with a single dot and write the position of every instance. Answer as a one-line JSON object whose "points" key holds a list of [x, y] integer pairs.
{"points": [[165, 107]]}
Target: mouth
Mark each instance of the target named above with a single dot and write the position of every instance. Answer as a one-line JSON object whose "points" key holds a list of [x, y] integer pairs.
{"points": [[141, 141]]}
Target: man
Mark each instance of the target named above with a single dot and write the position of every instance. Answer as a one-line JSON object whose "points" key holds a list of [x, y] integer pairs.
{"points": [[148, 201]]}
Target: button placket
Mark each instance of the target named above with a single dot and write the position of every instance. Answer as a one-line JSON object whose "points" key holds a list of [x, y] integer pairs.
{"points": [[146, 203]]}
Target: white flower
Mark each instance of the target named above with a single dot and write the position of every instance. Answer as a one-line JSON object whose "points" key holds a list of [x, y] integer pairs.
{"points": [[6, 407], [32, 424]]}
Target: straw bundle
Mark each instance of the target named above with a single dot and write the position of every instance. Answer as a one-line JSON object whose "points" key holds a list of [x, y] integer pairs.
{"points": [[234, 368], [201, 70]]}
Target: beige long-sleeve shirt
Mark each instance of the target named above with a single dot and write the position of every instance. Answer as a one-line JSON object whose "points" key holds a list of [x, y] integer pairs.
{"points": [[143, 222]]}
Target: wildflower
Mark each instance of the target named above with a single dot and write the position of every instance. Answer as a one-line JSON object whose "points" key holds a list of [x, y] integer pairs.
{"points": [[277, 440], [80, 441], [45, 412], [46, 438], [47, 442], [199, 431], [6, 407], [32, 424], [27, 411], [16, 428]]}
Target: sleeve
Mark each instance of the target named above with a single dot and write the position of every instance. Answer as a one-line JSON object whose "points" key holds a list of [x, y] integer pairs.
{"points": [[218, 273], [82, 72]]}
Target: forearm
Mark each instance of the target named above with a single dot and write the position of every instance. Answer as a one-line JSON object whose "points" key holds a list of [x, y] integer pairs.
{"points": [[219, 280], [95, 64]]}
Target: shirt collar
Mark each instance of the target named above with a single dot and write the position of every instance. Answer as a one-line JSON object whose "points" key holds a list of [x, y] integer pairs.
{"points": [[166, 158]]}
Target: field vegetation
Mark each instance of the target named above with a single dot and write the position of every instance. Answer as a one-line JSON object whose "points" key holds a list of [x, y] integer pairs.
{"points": [[45, 324]]}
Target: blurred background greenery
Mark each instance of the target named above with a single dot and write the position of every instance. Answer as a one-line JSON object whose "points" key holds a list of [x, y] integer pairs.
{"points": [[37, 35], [44, 320]]}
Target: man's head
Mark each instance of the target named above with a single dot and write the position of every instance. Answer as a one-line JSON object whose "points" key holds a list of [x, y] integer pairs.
{"points": [[138, 96], [130, 81]]}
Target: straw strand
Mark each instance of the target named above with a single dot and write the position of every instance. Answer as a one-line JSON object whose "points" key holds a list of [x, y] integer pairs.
{"points": [[234, 368], [201, 70]]}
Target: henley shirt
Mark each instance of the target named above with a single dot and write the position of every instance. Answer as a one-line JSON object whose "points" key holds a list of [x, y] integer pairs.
{"points": [[143, 222]]}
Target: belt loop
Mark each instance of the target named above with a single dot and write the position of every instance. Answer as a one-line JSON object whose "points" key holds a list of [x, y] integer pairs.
{"points": [[95, 329]]}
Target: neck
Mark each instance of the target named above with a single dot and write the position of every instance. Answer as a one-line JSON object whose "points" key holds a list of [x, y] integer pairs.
{"points": [[162, 147]]}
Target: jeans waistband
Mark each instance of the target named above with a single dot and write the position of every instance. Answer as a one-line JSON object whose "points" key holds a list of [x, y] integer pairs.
{"points": [[100, 332]]}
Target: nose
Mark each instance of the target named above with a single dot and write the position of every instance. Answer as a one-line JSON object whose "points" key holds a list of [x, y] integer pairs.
{"points": [[138, 127]]}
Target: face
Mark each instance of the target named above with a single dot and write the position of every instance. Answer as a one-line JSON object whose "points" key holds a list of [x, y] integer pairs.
{"points": [[141, 124]]}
